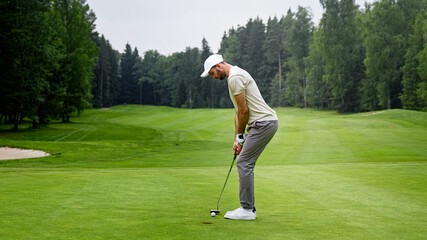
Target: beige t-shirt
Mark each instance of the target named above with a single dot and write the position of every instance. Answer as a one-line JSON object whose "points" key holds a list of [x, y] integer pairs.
{"points": [[241, 81]]}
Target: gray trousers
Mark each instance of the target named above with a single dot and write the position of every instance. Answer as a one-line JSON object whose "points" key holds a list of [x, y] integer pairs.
{"points": [[259, 135]]}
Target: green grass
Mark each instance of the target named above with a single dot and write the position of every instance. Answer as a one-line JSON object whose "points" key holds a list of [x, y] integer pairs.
{"points": [[155, 172]]}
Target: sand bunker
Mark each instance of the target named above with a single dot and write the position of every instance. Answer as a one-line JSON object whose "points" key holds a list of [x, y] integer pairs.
{"points": [[7, 153]]}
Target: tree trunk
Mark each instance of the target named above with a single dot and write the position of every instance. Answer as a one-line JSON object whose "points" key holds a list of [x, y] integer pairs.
{"points": [[304, 84], [154, 96], [388, 101], [16, 118], [140, 94], [100, 86], [191, 106]]}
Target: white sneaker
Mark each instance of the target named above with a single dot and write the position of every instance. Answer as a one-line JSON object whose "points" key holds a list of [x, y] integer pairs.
{"points": [[241, 214]]}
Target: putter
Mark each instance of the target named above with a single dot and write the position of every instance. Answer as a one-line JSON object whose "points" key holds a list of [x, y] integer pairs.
{"points": [[217, 211]]}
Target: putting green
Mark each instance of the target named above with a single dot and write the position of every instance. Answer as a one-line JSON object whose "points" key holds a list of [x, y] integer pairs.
{"points": [[155, 172]]}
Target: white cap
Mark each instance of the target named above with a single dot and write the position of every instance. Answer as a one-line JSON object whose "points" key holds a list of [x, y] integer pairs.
{"points": [[211, 61]]}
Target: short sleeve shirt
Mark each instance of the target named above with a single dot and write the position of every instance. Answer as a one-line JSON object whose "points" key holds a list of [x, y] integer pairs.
{"points": [[240, 81]]}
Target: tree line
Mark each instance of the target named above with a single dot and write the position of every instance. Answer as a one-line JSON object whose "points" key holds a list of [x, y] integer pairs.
{"points": [[155, 79], [54, 63], [354, 60], [46, 59]]}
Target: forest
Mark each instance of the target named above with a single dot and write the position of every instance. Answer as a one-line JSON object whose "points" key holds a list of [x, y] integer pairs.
{"points": [[358, 58]]}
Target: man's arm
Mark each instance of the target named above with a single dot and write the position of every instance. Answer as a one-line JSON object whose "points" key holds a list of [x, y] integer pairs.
{"points": [[242, 113], [241, 119]]}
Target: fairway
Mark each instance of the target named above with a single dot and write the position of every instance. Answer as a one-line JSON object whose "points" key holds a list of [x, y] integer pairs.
{"points": [[143, 172]]}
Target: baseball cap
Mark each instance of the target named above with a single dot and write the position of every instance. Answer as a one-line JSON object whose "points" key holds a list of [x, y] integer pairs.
{"points": [[211, 61]]}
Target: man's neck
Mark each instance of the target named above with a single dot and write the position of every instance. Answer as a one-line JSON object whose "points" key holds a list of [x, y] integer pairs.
{"points": [[227, 68]]}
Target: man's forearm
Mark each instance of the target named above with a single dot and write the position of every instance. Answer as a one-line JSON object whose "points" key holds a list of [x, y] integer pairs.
{"points": [[241, 120], [242, 114]]}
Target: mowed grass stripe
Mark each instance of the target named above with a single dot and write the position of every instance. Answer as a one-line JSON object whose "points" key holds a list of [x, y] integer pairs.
{"points": [[335, 138], [186, 124], [133, 136], [346, 196], [334, 201], [136, 172]]}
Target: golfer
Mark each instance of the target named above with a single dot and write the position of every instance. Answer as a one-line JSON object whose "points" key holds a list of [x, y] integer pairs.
{"points": [[261, 122]]}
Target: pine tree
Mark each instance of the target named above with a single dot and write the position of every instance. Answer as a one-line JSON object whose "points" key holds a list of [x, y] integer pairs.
{"points": [[286, 23], [232, 54], [271, 68], [105, 81], [155, 91], [205, 93], [297, 42], [80, 52], [339, 49], [387, 28], [318, 92], [251, 40], [129, 85], [27, 58]]}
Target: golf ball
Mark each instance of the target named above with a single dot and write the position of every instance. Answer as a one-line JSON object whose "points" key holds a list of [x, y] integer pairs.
{"points": [[212, 214]]}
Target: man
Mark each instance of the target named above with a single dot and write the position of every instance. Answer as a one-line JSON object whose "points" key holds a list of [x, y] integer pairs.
{"points": [[251, 111]]}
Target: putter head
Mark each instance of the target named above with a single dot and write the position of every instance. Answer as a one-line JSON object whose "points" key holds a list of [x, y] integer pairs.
{"points": [[216, 211]]}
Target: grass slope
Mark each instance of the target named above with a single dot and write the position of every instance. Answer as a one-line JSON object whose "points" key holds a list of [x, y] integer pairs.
{"points": [[155, 172]]}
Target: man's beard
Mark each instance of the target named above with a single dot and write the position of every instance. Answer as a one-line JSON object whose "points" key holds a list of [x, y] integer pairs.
{"points": [[221, 75]]}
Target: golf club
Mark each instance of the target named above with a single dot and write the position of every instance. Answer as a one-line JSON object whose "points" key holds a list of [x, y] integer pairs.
{"points": [[217, 211]]}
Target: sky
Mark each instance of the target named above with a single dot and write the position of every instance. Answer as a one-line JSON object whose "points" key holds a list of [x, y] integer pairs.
{"points": [[170, 26]]}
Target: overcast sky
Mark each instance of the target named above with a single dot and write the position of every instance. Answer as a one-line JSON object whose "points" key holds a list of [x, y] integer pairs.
{"points": [[170, 26]]}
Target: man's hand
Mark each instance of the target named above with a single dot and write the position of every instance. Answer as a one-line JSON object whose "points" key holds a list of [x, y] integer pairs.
{"points": [[240, 138], [237, 148]]}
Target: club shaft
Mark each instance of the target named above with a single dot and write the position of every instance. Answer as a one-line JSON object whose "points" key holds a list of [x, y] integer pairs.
{"points": [[225, 183]]}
